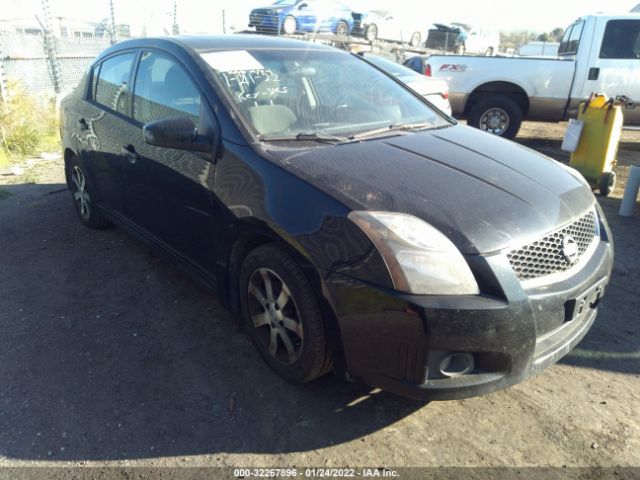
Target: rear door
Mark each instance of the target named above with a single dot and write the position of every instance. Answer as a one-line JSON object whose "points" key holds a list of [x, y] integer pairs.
{"points": [[615, 65], [169, 192], [103, 122]]}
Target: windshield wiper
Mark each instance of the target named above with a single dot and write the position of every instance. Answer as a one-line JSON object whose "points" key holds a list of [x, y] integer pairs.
{"points": [[391, 128], [305, 137]]}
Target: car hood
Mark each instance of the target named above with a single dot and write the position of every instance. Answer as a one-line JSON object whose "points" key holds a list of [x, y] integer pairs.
{"points": [[483, 192], [271, 8]]}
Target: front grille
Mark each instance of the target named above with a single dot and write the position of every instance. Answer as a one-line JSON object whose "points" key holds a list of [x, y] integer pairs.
{"points": [[546, 256]]}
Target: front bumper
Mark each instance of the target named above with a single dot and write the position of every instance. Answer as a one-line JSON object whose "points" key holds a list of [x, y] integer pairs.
{"points": [[396, 342]]}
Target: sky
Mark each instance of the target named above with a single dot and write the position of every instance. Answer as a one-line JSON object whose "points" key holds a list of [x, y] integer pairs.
{"points": [[199, 16]]}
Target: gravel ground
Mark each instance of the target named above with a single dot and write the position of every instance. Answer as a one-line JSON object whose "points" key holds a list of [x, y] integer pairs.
{"points": [[112, 356]]}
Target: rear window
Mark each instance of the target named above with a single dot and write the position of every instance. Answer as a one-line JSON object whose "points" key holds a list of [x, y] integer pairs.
{"points": [[621, 40], [111, 86], [571, 40]]}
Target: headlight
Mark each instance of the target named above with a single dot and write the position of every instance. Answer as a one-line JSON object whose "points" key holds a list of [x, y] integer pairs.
{"points": [[420, 259]]}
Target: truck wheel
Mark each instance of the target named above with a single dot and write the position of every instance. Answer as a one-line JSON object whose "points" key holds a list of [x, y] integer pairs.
{"points": [[606, 183], [499, 115], [282, 315]]}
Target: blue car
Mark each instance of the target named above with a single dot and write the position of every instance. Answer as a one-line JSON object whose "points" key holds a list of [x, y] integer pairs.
{"points": [[295, 16]]}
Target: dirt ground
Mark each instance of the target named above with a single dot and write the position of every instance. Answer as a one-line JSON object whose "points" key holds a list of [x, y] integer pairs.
{"points": [[112, 356]]}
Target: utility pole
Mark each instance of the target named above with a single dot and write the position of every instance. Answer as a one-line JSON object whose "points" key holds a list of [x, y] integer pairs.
{"points": [[50, 47], [112, 33], [175, 28]]}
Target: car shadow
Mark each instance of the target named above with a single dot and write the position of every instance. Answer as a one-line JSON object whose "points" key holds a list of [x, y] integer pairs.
{"points": [[110, 352], [613, 343]]}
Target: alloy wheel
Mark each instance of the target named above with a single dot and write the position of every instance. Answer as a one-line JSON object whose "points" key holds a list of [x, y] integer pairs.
{"points": [[275, 316], [80, 193]]}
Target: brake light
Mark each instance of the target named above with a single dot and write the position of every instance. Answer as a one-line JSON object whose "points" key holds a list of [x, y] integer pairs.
{"points": [[445, 95], [427, 71]]}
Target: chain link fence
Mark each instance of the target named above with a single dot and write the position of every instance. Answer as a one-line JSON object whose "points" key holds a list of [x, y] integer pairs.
{"points": [[43, 71]]}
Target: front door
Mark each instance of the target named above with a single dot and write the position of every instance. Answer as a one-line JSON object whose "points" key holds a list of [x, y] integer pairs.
{"points": [[169, 192], [615, 67]]}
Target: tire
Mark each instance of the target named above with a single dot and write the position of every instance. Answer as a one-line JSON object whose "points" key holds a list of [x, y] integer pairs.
{"points": [[416, 38], [489, 52], [289, 25], [606, 183], [342, 28], [290, 314], [83, 196], [487, 114], [372, 32]]}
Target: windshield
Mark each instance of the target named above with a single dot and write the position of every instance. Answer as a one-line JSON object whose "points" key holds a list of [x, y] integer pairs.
{"points": [[285, 2], [391, 67], [284, 93]]}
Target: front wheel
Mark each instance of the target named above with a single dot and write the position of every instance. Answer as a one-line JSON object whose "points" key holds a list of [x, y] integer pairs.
{"points": [[83, 196], [372, 32], [282, 315], [499, 115], [289, 25], [606, 183]]}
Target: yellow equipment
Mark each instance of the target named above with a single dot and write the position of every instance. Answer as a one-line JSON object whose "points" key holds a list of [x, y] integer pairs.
{"points": [[598, 146]]}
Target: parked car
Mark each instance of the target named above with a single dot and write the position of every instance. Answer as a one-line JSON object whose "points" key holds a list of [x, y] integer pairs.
{"points": [[434, 90], [382, 24], [352, 225], [461, 38], [599, 53], [298, 16]]}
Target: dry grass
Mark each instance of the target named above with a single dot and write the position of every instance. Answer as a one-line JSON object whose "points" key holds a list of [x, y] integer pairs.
{"points": [[28, 125]]}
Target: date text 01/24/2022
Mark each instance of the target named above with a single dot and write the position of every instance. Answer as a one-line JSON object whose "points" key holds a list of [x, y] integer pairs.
{"points": [[315, 472]]}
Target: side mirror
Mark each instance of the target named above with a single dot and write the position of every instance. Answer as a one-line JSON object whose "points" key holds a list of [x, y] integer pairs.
{"points": [[302, 5], [179, 133]]}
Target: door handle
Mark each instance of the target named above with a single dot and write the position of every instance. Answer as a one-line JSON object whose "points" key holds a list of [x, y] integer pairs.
{"points": [[82, 123], [130, 153], [594, 73]]}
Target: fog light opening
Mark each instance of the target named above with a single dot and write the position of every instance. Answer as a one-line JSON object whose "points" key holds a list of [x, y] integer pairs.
{"points": [[456, 364]]}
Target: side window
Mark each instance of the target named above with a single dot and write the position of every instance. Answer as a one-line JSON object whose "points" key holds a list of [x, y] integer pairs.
{"points": [[571, 40], [111, 87], [163, 90], [621, 40]]}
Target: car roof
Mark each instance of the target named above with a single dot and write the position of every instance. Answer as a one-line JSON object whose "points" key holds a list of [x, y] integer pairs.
{"points": [[208, 43]]}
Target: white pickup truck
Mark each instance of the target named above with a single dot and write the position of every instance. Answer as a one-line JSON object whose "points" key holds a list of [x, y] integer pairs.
{"points": [[599, 53]]}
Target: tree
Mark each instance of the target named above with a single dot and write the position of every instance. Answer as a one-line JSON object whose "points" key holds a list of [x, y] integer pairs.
{"points": [[543, 37], [557, 34]]}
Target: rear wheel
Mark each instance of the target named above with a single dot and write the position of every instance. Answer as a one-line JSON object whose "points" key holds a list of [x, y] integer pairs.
{"points": [[498, 114], [82, 193], [282, 315], [489, 52], [342, 28], [416, 38], [606, 183], [289, 25], [372, 32]]}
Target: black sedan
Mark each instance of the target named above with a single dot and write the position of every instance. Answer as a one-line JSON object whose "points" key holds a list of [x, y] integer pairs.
{"points": [[355, 227]]}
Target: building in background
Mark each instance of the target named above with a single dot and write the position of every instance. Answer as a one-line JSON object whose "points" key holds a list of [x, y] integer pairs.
{"points": [[64, 27]]}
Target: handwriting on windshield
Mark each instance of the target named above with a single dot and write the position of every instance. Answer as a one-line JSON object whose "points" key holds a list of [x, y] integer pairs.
{"points": [[254, 85]]}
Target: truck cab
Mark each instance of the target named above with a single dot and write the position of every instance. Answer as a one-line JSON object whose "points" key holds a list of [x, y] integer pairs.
{"points": [[599, 53]]}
